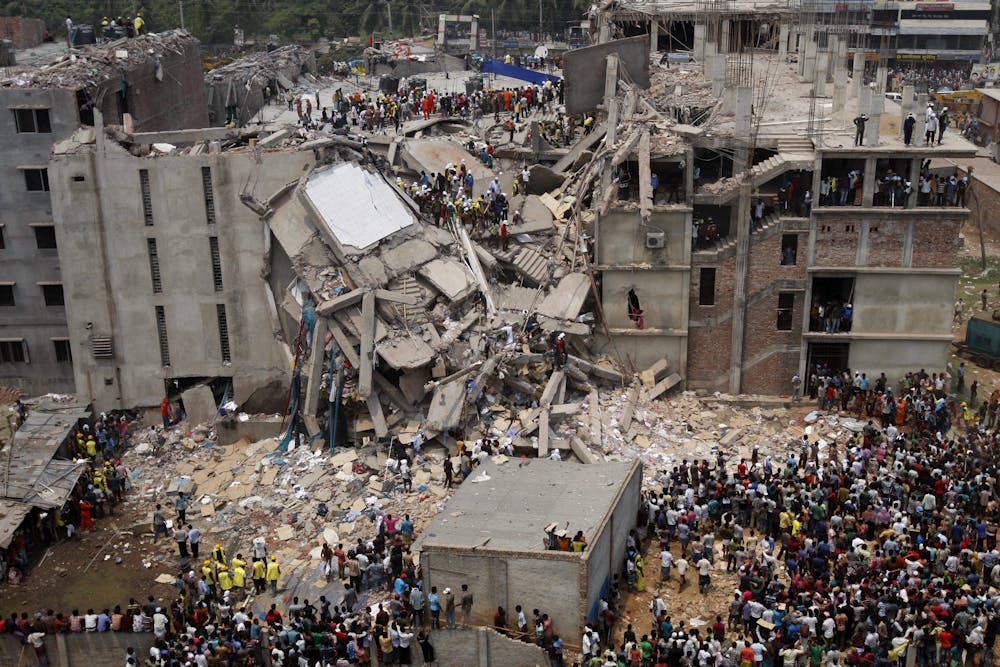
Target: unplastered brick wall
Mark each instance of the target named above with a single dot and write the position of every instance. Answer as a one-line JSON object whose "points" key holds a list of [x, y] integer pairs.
{"points": [[772, 374], [935, 244], [886, 239], [25, 33], [836, 241]]}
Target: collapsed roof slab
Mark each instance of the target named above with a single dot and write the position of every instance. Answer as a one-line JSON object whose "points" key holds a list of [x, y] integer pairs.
{"points": [[432, 155], [535, 217], [357, 207], [450, 277], [445, 409]]}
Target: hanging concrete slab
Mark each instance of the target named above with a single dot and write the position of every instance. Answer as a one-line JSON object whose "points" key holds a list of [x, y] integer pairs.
{"points": [[566, 299], [535, 216], [445, 410], [406, 353]]}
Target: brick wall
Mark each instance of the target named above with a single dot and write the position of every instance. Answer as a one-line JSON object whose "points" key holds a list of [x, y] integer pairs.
{"points": [[935, 243], [837, 242], [770, 356], [25, 33], [885, 242]]}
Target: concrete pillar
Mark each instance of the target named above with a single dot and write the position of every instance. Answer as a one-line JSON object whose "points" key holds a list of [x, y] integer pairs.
{"points": [[800, 50], [743, 106], [654, 35], [809, 66], [881, 81], [839, 84], [783, 42], [474, 34], [711, 46], [831, 50], [822, 65], [914, 178], [716, 72], [920, 111], [724, 46], [868, 184], [864, 100], [858, 78], [874, 119], [699, 41], [905, 105]]}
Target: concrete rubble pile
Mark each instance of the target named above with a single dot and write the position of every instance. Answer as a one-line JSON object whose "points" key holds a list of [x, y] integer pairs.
{"points": [[88, 66]]}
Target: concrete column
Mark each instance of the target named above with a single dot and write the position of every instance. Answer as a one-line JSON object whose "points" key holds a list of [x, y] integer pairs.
{"points": [[881, 81], [800, 50], [809, 65], [831, 50], [740, 283], [711, 46], [905, 105], [743, 106], [914, 178], [724, 46], [474, 34], [822, 65], [699, 42], [783, 42], [839, 85], [858, 79], [864, 101], [921, 114], [872, 128], [868, 185], [716, 72], [654, 35]]}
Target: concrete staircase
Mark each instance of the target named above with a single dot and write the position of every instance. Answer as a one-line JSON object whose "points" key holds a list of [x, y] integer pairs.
{"points": [[794, 152], [526, 261], [726, 247]]}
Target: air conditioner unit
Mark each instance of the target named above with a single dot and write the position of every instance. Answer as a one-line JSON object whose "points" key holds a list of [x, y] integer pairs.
{"points": [[656, 239]]}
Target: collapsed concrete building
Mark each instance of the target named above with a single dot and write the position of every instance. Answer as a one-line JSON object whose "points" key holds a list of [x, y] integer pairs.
{"points": [[237, 90], [155, 83]]}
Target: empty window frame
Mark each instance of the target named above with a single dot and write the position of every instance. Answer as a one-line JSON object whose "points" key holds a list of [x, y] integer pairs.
{"points": [[786, 307], [220, 310], [154, 266], [13, 351], [161, 333], [789, 249], [147, 200], [45, 237], [706, 287], [64, 354], [209, 192], [7, 295], [53, 294], [32, 121], [213, 249], [36, 180]]}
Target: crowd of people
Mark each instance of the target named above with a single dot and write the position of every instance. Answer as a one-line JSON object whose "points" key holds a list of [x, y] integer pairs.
{"points": [[881, 550]]}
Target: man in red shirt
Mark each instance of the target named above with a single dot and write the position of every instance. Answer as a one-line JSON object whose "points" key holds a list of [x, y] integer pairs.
{"points": [[86, 519], [165, 412]]}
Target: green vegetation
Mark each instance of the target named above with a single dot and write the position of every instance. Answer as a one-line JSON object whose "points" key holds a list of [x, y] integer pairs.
{"points": [[213, 21]]}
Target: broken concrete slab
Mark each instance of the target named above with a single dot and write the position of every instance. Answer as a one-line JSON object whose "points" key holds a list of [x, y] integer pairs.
{"points": [[199, 404], [406, 352], [445, 409], [408, 255], [535, 217], [450, 277], [652, 375], [367, 344], [663, 385], [566, 299]]}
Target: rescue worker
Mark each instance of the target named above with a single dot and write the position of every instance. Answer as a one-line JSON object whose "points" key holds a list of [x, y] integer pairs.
{"points": [[139, 24], [257, 573], [240, 578], [225, 581], [273, 574], [219, 555], [209, 574]]}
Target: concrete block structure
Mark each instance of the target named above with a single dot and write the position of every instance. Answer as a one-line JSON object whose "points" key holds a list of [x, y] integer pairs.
{"points": [[493, 537], [156, 79], [164, 274]]}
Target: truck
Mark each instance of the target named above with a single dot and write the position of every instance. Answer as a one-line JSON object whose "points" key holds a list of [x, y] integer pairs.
{"points": [[982, 340]]}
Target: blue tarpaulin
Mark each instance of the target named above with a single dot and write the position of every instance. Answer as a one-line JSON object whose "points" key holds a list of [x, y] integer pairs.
{"points": [[529, 75]]}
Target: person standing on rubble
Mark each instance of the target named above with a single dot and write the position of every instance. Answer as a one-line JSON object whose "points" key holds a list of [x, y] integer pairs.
{"points": [[194, 537], [273, 574], [257, 574]]}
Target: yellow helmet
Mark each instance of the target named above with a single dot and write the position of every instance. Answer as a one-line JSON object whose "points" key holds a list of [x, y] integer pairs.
{"points": [[223, 568], [208, 563]]}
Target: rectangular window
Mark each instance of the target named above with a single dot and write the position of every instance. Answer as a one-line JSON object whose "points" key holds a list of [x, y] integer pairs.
{"points": [[213, 248], [45, 236], [7, 294], [32, 120], [36, 180], [147, 201], [220, 310], [706, 287], [154, 266], [161, 332], [786, 306], [206, 185], [789, 249], [13, 351], [63, 353], [53, 294], [3, 243]]}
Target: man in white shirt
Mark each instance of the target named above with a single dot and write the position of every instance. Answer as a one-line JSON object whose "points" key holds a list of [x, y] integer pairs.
{"points": [[666, 560]]}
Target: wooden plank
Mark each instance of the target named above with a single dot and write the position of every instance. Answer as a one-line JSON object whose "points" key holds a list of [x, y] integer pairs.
{"points": [[396, 297], [630, 401], [565, 409], [595, 418], [367, 344], [543, 433], [342, 301], [650, 376], [663, 385], [378, 417]]}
